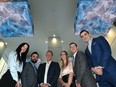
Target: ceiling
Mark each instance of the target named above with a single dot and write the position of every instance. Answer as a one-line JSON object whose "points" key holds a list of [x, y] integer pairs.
{"points": [[54, 16], [49, 17]]}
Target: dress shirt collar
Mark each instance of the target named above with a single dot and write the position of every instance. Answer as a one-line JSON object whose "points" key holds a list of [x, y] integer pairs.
{"points": [[48, 62], [89, 45], [46, 71], [74, 55]]}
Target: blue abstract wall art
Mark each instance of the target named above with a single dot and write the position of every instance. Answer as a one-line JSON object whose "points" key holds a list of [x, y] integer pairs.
{"points": [[15, 19], [96, 16]]}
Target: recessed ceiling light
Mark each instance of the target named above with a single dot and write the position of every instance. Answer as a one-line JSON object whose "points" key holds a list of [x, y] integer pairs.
{"points": [[46, 41], [54, 35], [62, 41]]}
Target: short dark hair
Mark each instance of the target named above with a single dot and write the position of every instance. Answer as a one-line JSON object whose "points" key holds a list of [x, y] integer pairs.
{"points": [[35, 53], [73, 43], [83, 31], [50, 52]]}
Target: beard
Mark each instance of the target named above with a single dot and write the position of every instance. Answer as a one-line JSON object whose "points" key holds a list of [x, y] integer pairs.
{"points": [[33, 61]]}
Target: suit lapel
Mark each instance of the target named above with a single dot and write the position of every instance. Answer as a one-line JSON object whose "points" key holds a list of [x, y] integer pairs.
{"points": [[49, 71], [87, 50], [43, 71], [44, 67], [93, 45], [76, 57], [33, 68]]}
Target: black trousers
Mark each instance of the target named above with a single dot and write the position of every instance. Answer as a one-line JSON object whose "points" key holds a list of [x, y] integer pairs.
{"points": [[7, 80]]}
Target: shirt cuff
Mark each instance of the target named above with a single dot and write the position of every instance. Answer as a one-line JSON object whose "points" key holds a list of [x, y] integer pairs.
{"points": [[48, 84], [43, 83], [40, 84]]}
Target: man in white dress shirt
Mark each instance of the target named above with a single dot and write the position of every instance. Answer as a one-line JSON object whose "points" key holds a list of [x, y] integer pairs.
{"points": [[48, 72]]}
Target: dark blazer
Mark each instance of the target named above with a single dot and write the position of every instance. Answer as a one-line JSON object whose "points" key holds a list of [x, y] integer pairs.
{"points": [[29, 76], [82, 72], [101, 56], [53, 73]]}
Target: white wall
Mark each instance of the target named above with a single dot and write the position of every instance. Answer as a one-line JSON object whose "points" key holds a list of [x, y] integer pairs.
{"points": [[111, 38]]}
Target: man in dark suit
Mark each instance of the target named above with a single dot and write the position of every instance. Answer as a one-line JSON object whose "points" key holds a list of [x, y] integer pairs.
{"points": [[101, 62], [48, 72], [29, 74], [83, 74]]}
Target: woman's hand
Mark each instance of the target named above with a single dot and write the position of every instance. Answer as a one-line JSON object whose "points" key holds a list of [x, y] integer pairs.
{"points": [[78, 85], [18, 84], [66, 85]]}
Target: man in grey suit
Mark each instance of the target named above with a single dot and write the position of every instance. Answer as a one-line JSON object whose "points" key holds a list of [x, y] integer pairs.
{"points": [[29, 74], [83, 75]]}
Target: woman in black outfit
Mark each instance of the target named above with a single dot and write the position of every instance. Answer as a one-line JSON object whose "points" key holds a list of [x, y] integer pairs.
{"points": [[16, 60]]}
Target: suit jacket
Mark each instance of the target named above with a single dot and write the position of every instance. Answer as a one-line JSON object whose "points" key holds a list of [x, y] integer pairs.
{"points": [[52, 76], [29, 76], [101, 56], [82, 72]]}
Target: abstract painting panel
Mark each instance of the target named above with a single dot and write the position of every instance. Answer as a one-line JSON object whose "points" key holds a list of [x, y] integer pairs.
{"points": [[96, 16], [15, 19]]}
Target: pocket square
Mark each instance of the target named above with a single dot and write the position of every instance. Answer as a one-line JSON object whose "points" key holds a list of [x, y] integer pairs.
{"points": [[94, 43]]}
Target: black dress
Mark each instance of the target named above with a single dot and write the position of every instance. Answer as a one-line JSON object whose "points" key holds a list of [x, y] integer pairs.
{"points": [[7, 80], [65, 79], [64, 74]]}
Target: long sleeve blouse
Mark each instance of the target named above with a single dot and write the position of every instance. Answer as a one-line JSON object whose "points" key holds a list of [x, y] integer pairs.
{"points": [[14, 65]]}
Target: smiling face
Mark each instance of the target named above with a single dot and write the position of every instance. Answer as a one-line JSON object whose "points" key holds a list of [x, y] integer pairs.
{"points": [[49, 56], [85, 36], [73, 48], [24, 48], [34, 58], [63, 56]]}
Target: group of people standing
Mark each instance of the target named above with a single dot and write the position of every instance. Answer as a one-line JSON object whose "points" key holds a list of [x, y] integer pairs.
{"points": [[79, 72]]}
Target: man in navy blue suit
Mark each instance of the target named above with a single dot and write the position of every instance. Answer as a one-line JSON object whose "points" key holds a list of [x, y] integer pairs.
{"points": [[48, 72], [100, 59]]}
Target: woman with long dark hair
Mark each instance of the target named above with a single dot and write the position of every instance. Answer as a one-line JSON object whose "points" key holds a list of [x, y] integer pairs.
{"points": [[66, 77], [16, 61]]}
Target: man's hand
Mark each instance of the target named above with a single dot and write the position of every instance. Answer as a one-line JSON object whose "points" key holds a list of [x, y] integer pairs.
{"points": [[97, 70], [44, 85], [78, 85]]}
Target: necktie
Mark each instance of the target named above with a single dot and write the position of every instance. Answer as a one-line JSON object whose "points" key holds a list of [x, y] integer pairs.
{"points": [[73, 60]]}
